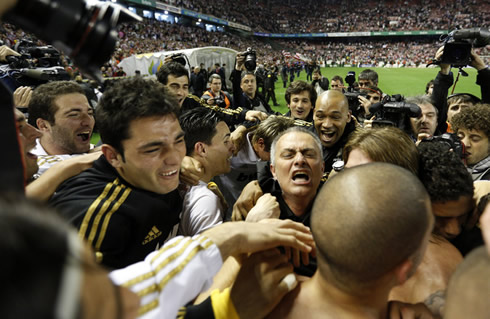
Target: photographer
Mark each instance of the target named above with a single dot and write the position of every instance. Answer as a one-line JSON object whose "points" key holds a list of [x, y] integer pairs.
{"points": [[215, 96], [245, 88], [444, 80]]}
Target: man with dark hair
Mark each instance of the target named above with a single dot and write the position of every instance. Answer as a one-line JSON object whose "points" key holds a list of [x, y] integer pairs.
{"points": [[473, 128], [372, 96], [175, 78], [127, 204], [319, 83], [207, 139], [216, 96], [368, 77], [333, 124], [337, 83], [245, 93], [60, 110], [301, 98], [365, 247]]}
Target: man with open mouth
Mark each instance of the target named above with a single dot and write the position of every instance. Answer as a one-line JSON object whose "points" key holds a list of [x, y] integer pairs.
{"points": [[127, 205], [61, 111], [332, 121]]}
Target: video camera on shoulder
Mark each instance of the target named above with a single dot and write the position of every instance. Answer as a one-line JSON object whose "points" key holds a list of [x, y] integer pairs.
{"points": [[458, 44], [250, 59], [352, 94], [394, 111]]}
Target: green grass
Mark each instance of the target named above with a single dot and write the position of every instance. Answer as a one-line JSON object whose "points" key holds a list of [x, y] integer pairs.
{"points": [[405, 81]]}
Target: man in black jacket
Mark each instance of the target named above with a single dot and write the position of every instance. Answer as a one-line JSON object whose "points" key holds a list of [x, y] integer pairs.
{"points": [[127, 205]]}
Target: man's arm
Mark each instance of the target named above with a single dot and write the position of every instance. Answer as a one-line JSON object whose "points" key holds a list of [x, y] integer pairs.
{"points": [[44, 187], [443, 81], [483, 77], [172, 276]]}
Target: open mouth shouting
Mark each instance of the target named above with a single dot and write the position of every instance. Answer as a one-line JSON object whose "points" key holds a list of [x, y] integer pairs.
{"points": [[328, 136], [301, 177]]}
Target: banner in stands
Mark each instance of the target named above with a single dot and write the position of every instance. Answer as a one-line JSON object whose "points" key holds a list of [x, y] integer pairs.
{"points": [[347, 34], [150, 63], [148, 3]]}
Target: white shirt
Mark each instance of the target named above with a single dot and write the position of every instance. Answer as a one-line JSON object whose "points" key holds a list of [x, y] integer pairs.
{"points": [[202, 209], [171, 277]]}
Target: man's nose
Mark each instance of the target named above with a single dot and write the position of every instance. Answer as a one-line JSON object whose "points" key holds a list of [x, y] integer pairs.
{"points": [[453, 227]]}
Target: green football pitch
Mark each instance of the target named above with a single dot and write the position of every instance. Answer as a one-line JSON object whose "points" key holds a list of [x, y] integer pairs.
{"points": [[404, 81]]}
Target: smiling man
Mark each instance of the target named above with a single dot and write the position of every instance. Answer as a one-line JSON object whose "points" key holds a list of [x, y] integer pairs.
{"points": [[126, 205], [300, 97], [332, 121], [208, 141], [60, 110]]}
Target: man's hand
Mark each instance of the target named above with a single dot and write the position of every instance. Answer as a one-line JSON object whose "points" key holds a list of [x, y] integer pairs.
{"points": [[266, 207], [476, 61], [365, 103], [422, 136], [191, 171], [402, 310], [264, 278], [247, 200], [22, 96], [445, 68], [255, 116], [6, 51], [237, 138], [237, 238], [240, 62]]}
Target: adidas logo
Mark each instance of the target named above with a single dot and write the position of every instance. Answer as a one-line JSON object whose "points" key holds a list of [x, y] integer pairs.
{"points": [[153, 234]]}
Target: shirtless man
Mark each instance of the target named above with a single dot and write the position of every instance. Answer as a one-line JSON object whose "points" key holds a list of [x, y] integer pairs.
{"points": [[365, 247]]}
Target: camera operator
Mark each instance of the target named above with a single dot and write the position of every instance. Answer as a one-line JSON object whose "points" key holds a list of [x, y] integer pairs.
{"points": [[320, 83], [6, 51], [425, 125], [216, 96], [444, 80], [245, 88], [370, 95]]}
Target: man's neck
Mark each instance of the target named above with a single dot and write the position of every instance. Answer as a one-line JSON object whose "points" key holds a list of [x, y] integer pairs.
{"points": [[52, 148], [318, 298], [299, 205]]}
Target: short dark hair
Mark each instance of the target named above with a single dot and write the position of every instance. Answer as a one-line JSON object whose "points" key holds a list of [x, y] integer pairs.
{"points": [[371, 88], [338, 78], [296, 87], [443, 173], [128, 100], [431, 82], [369, 75], [172, 68], [42, 103], [199, 125], [247, 73], [473, 118]]}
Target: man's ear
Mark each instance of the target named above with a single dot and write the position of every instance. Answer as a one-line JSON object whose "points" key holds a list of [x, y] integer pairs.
{"points": [[273, 171], [349, 116], [403, 271], [43, 125], [112, 155], [200, 149]]}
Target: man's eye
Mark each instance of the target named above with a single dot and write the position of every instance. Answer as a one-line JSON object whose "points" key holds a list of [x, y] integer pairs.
{"points": [[153, 150]]}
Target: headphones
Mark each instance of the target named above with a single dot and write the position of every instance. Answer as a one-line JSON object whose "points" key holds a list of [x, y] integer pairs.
{"points": [[474, 99]]}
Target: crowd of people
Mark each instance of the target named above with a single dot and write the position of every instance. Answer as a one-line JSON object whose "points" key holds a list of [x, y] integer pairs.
{"points": [[208, 204], [345, 16]]}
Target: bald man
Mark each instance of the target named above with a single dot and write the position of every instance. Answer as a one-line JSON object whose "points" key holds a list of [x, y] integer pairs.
{"points": [[365, 247], [332, 121], [469, 288]]}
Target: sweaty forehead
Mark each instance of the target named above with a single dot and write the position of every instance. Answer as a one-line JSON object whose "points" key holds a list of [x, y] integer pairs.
{"points": [[295, 140], [182, 80], [329, 104]]}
